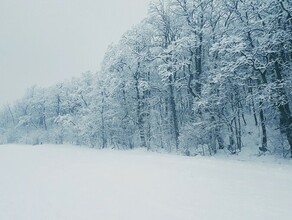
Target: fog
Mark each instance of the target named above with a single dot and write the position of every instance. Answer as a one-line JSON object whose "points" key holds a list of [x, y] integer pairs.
{"points": [[43, 42]]}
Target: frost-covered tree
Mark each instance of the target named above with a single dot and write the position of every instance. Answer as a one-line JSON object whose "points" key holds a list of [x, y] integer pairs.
{"points": [[197, 76]]}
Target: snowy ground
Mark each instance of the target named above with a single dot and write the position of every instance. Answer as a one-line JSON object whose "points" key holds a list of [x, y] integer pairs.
{"points": [[65, 182]]}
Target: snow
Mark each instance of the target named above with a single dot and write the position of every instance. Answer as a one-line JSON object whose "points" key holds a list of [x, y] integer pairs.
{"points": [[67, 182]]}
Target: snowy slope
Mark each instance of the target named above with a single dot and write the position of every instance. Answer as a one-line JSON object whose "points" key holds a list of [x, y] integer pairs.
{"points": [[65, 182]]}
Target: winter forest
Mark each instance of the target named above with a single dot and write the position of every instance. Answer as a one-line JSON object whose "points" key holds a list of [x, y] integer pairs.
{"points": [[194, 77]]}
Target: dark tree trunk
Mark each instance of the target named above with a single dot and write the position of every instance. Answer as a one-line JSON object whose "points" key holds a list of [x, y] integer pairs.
{"points": [[173, 111], [284, 108], [264, 146]]}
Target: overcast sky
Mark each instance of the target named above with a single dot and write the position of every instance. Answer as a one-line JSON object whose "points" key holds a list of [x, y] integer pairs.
{"points": [[43, 42]]}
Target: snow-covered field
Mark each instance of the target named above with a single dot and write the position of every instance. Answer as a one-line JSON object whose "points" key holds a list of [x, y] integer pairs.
{"points": [[66, 182]]}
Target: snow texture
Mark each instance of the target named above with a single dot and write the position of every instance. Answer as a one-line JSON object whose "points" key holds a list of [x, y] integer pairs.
{"points": [[66, 182]]}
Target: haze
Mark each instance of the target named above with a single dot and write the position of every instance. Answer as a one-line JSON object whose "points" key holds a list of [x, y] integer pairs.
{"points": [[43, 42]]}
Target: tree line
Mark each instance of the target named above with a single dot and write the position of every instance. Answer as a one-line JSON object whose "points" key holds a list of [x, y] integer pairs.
{"points": [[195, 76]]}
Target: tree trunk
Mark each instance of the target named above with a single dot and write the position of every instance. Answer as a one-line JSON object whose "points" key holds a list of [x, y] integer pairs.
{"points": [[140, 114], [173, 111], [284, 108], [104, 140], [264, 146]]}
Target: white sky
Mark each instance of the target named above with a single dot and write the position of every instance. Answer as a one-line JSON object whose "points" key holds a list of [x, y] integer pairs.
{"points": [[43, 42]]}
